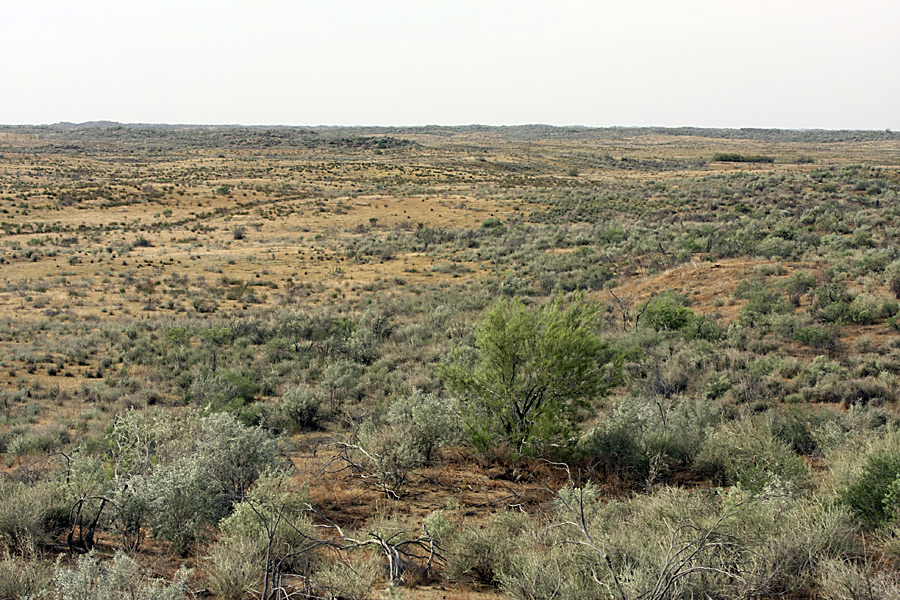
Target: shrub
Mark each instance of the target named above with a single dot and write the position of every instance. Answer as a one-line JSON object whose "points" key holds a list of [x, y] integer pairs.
{"points": [[233, 455], [788, 539], [231, 570], [439, 527], [91, 579], [795, 429], [798, 284], [844, 579], [23, 579], [213, 465], [667, 312], [301, 408], [616, 561], [480, 555], [31, 514], [870, 495], [268, 533], [433, 421], [390, 452], [746, 452], [892, 277], [816, 336], [39, 441], [761, 302], [182, 503], [735, 157], [650, 438], [864, 310], [223, 389], [531, 374], [351, 578]]}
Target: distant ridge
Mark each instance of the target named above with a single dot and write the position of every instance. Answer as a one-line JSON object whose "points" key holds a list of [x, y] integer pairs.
{"points": [[301, 135]]}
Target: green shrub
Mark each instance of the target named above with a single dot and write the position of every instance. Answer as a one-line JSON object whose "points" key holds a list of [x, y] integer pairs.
{"points": [[433, 421], [892, 277], [795, 428], [816, 336], [31, 515], [650, 438], [675, 544], [439, 527], [616, 561], [846, 579], [736, 157], [746, 452], [787, 541], [214, 463], [270, 524], [23, 579], [531, 374], [231, 569], [799, 284], [38, 441], [349, 579], [761, 302], [182, 503], [233, 455], [871, 493], [301, 408], [480, 554], [223, 390], [92, 579], [667, 312], [832, 303], [390, 453], [863, 390], [864, 310]]}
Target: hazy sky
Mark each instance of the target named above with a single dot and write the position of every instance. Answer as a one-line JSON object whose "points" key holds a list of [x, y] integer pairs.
{"points": [[759, 63]]}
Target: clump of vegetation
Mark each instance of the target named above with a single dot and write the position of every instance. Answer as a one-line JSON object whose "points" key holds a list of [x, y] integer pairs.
{"points": [[531, 373], [741, 158]]}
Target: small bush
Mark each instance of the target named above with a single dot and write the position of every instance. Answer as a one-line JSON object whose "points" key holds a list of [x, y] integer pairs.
{"points": [[302, 409], [864, 310], [349, 579], [799, 284], [23, 579], [667, 312], [816, 336], [31, 514], [91, 579], [230, 572], [479, 555], [434, 421], [869, 495], [646, 438], [269, 524], [735, 157], [843, 579], [892, 278], [391, 453], [746, 452]]}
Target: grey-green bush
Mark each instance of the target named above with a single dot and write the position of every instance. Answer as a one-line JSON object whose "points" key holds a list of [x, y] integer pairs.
{"points": [[433, 421], [93, 579]]}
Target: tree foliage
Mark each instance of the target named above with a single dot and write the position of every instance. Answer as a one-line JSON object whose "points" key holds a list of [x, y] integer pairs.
{"points": [[531, 373]]}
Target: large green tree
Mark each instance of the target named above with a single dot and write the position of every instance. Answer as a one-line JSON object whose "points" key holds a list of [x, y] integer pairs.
{"points": [[531, 373]]}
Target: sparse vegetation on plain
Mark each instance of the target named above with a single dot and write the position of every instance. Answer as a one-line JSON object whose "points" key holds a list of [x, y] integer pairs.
{"points": [[469, 362]]}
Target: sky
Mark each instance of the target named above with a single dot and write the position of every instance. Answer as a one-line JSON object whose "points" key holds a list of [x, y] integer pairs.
{"points": [[793, 64]]}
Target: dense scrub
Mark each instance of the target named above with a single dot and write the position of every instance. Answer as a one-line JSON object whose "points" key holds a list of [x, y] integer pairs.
{"points": [[273, 361]]}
